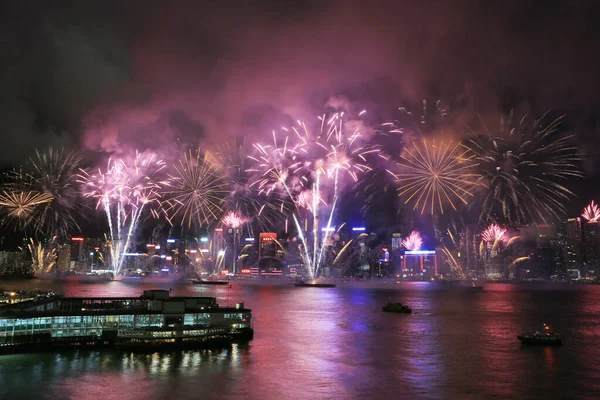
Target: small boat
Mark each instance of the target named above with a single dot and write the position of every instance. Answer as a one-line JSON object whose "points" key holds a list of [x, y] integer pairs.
{"points": [[208, 282], [397, 308], [462, 285], [473, 288], [545, 337], [313, 284]]}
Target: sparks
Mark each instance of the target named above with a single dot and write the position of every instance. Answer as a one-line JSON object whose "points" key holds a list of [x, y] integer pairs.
{"points": [[413, 242], [525, 168], [591, 212], [198, 190], [22, 208], [309, 168], [434, 174], [124, 191], [234, 220], [494, 234]]}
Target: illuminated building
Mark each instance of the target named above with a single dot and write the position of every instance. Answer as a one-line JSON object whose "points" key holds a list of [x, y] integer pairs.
{"points": [[468, 249], [76, 252], [592, 245], [396, 242], [419, 264], [382, 266], [546, 236], [573, 254], [550, 246], [267, 244], [268, 262], [85, 254]]}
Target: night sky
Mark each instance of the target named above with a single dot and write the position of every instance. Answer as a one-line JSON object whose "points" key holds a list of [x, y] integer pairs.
{"points": [[109, 76]]}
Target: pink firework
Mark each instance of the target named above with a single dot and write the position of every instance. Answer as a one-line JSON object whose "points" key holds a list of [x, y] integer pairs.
{"points": [[305, 199], [413, 242], [298, 157], [233, 219], [591, 212], [309, 166], [125, 190], [494, 234]]}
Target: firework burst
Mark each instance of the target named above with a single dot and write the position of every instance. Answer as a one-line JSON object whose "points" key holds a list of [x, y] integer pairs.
{"points": [[591, 212], [43, 257], [494, 234], [198, 190], [413, 242], [434, 174], [412, 126], [234, 220], [524, 169], [266, 209], [55, 172], [22, 209], [125, 190], [50, 172], [298, 161]]}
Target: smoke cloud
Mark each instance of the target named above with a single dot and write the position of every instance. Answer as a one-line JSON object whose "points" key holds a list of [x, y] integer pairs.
{"points": [[112, 76]]}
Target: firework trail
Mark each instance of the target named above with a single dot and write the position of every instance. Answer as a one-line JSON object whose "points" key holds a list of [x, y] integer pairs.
{"points": [[413, 126], [494, 233], [413, 242], [298, 161], [55, 172], [435, 173], [43, 257], [51, 173], [21, 209], [234, 220], [197, 191], [591, 212], [266, 210], [495, 239], [124, 191], [524, 168]]}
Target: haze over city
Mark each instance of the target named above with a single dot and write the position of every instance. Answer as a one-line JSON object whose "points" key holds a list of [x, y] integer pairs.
{"points": [[176, 176]]}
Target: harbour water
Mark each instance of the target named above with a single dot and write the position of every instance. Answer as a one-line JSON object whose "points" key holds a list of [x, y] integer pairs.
{"points": [[335, 343]]}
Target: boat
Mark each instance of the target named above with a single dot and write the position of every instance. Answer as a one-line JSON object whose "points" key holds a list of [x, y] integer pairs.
{"points": [[545, 337], [314, 284], [462, 285], [155, 320], [397, 308], [473, 288], [208, 282]]}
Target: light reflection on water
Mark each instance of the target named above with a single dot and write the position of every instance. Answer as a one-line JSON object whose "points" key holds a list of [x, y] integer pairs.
{"points": [[337, 344]]}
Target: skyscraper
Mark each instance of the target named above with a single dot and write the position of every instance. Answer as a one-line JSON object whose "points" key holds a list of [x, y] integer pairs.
{"points": [[573, 256], [592, 246], [267, 245]]}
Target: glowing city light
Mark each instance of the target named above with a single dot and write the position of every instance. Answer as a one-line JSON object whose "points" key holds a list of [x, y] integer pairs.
{"points": [[419, 252]]}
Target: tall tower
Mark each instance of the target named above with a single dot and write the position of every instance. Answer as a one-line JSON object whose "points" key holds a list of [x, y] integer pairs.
{"points": [[267, 245], [573, 256], [592, 245]]}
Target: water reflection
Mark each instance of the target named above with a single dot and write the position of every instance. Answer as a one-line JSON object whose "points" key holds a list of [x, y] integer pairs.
{"points": [[336, 343]]}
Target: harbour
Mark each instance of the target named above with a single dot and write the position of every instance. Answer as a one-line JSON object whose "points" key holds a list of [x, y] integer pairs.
{"points": [[337, 343]]}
